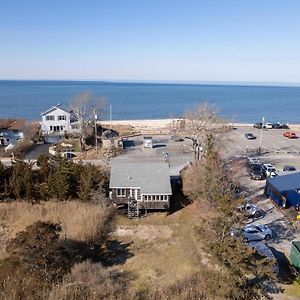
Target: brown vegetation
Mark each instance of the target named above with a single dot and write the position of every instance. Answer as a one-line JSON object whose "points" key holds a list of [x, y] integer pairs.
{"points": [[39, 253], [79, 221]]}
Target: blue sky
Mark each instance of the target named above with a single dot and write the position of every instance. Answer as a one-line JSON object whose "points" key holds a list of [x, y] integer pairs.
{"points": [[212, 40]]}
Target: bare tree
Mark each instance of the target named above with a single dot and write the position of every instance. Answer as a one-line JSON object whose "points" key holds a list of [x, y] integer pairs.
{"points": [[85, 108], [199, 123]]}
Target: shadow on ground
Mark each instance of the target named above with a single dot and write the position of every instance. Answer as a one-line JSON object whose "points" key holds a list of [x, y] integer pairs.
{"points": [[159, 146], [178, 200], [281, 231], [287, 273], [115, 253]]}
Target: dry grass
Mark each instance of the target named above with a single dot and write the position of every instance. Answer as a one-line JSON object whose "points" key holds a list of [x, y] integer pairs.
{"points": [[80, 221], [89, 281], [165, 248]]}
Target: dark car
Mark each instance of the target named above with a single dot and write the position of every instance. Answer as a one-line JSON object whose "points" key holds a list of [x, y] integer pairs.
{"points": [[250, 136], [250, 161], [284, 126], [258, 125], [289, 168], [257, 172], [276, 126]]}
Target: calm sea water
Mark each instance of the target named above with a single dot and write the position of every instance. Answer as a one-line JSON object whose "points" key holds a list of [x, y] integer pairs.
{"points": [[27, 99]]}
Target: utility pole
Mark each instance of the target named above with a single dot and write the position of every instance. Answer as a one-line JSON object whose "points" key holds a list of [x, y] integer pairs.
{"points": [[96, 140], [110, 115], [261, 135]]}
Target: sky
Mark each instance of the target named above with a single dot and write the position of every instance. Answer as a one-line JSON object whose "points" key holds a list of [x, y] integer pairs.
{"points": [[151, 40]]}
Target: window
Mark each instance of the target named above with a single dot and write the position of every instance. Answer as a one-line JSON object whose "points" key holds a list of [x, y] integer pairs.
{"points": [[62, 118], [50, 118], [51, 128], [121, 192]]}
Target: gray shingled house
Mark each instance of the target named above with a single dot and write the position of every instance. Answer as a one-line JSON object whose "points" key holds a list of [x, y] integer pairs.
{"points": [[148, 184]]}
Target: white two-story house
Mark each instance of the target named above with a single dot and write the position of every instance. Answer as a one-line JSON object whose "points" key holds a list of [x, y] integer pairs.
{"points": [[57, 120]]}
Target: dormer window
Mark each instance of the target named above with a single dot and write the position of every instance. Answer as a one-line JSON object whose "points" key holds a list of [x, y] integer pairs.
{"points": [[50, 118]]}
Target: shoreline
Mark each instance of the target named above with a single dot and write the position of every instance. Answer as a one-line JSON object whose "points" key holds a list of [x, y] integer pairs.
{"points": [[163, 123]]}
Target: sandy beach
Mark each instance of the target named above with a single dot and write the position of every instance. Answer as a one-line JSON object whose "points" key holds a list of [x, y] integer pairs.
{"points": [[146, 126], [163, 124]]}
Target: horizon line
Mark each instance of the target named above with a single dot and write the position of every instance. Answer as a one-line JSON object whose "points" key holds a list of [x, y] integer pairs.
{"points": [[183, 82]]}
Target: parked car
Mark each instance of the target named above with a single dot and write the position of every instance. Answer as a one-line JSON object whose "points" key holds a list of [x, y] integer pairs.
{"points": [[284, 126], [273, 174], [276, 126], [256, 172], [258, 125], [290, 134], [252, 161], [289, 168], [68, 154], [253, 233], [269, 125], [250, 136], [268, 170], [252, 210]]}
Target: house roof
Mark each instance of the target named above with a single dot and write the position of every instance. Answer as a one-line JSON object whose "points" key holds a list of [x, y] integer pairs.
{"points": [[54, 108], [285, 182], [151, 177], [13, 124]]}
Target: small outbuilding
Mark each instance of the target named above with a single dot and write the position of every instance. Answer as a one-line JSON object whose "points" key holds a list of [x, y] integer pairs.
{"points": [[147, 184], [284, 190], [148, 142]]}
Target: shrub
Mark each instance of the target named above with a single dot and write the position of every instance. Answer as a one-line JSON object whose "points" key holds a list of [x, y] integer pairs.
{"points": [[36, 260]]}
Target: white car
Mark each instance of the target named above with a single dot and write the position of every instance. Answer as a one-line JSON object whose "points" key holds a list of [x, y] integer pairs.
{"points": [[269, 170], [253, 233], [269, 125]]}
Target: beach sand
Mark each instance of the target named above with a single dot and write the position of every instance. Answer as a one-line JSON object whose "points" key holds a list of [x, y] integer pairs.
{"points": [[164, 126], [146, 126]]}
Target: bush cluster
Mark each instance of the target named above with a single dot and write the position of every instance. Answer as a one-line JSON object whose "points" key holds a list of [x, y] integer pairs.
{"points": [[56, 178]]}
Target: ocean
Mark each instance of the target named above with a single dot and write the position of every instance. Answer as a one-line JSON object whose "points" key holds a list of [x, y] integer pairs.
{"points": [[28, 99]]}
